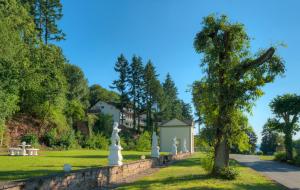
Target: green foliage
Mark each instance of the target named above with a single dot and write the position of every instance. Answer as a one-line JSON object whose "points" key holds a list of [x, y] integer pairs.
{"points": [[259, 153], [46, 14], [153, 93], [103, 125], [122, 68], [229, 173], [286, 109], [270, 140], [50, 138], [98, 93], [143, 143], [207, 162], [67, 140], [97, 141], [280, 156], [31, 139], [136, 88], [232, 80]]}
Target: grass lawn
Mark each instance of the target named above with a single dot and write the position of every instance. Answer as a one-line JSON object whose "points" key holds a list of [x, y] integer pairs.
{"points": [[264, 157], [188, 174], [48, 162]]}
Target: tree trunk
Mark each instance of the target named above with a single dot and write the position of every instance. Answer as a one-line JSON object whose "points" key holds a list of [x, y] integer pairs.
{"points": [[221, 159], [288, 141]]}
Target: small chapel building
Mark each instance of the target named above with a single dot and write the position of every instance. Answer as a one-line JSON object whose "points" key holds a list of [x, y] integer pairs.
{"points": [[179, 129]]}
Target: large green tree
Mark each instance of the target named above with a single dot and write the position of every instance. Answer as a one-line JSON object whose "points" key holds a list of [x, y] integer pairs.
{"points": [[77, 93], [171, 105], [136, 87], [153, 92], [46, 14], [286, 109], [16, 35], [232, 79], [121, 84], [98, 93], [270, 139]]}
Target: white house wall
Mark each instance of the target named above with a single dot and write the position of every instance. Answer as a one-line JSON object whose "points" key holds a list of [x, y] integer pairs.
{"points": [[167, 133]]}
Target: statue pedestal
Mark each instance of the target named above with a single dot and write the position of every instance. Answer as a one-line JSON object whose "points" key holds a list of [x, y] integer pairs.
{"points": [[115, 157]]}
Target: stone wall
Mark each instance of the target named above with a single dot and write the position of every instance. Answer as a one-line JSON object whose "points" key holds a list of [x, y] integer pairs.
{"points": [[92, 178]]}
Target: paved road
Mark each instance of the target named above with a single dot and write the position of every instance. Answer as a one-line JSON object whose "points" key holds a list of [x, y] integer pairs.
{"points": [[285, 174]]}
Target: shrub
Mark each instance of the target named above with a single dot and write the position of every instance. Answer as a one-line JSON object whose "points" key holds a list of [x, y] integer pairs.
{"points": [[97, 141], [229, 173], [50, 138], [31, 139], [67, 140], [208, 162], [143, 142], [259, 153], [280, 156], [297, 160]]}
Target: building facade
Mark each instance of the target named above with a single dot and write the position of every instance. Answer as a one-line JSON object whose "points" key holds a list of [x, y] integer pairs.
{"points": [[179, 129], [111, 109]]}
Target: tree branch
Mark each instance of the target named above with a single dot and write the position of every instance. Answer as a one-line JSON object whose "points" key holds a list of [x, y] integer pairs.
{"points": [[251, 64]]}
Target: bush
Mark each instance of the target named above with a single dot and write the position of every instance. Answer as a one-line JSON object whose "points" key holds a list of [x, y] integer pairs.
{"points": [[229, 173], [50, 138], [67, 140], [208, 162], [97, 141], [280, 156], [259, 153], [297, 160], [31, 139], [143, 142]]}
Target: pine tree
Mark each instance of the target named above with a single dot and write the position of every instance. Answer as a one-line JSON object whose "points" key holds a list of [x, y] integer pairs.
{"points": [[172, 105], [153, 92], [46, 14], [121, 84], [136, 75]]}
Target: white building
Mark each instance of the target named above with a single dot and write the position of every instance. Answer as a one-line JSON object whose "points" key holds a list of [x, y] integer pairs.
{"points": [[111, 109], [179, 129]]}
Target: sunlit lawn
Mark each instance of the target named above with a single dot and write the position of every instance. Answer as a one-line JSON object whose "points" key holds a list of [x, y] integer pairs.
{"points": [[264, 157], [49, 162], [188, 174]]}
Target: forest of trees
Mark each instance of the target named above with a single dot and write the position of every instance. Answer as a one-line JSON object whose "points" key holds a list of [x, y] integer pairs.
{"points": [[37, 81]]}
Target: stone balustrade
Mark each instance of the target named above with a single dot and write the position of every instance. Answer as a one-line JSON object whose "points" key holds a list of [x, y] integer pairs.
{"points": [[93, 178]]}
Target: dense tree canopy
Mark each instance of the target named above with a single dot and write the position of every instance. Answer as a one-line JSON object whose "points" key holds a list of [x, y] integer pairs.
{"points": [[286, 109], [232, 79]]}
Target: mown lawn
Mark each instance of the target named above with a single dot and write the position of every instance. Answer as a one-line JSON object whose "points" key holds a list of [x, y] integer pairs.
{"points": [[49, 162], [264, 157], [188, 174]]}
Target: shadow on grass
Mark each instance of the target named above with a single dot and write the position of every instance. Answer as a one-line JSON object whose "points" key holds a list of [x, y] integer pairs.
{"points": [[181, 181], [126, 157], [20, 174]]}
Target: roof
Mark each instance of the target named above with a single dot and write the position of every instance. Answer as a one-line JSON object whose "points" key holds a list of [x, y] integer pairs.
{"points": [[176, 122]]}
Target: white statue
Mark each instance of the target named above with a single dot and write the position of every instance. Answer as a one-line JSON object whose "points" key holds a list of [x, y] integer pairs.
{"points": [[184, 149], [155, 147], [115, 156], [174, 146]]}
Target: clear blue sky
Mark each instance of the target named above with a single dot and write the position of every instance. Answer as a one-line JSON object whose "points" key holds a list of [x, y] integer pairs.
{"points": [[163, 31]]}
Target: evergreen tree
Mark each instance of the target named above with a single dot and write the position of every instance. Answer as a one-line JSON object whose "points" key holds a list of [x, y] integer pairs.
{"points": [[153, 92], [172, 106], [122, 68], [186, 110], [46, 14], [136, 86]]}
